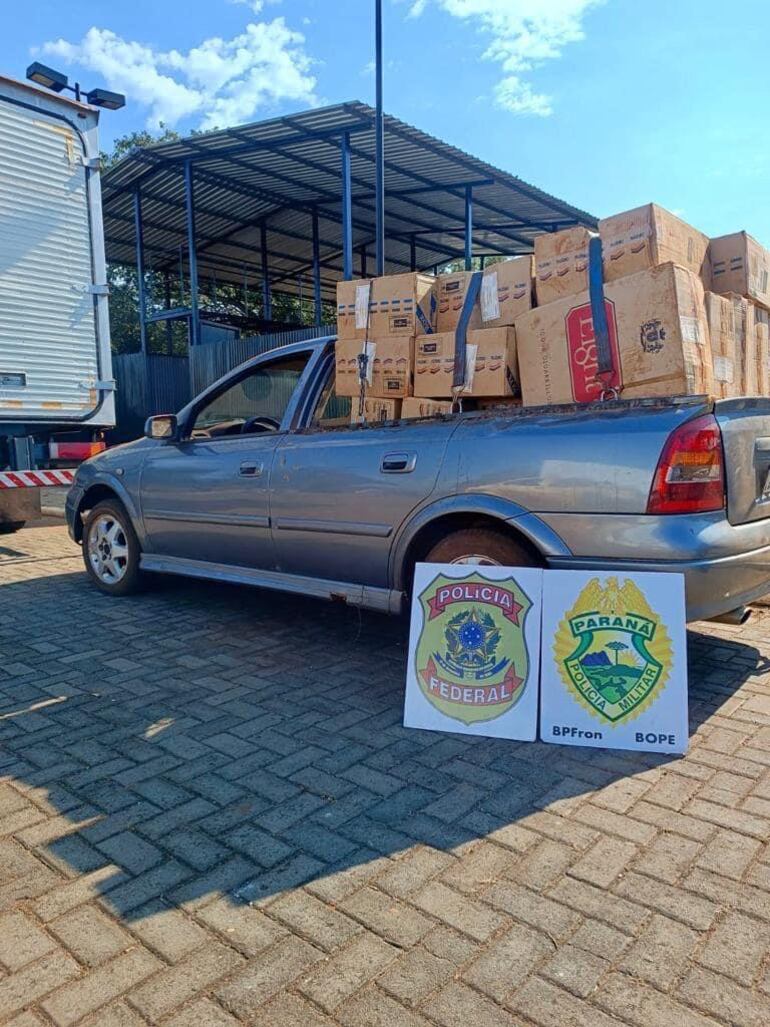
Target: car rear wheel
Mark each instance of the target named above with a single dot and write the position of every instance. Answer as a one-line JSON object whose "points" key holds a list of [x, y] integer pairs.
{"points": [[483, 546], [111, 549]]}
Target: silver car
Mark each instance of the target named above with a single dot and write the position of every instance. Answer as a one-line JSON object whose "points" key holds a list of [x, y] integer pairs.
{"points": [[263, 480]]}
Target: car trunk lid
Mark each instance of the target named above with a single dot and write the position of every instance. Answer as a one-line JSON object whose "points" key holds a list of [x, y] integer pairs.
{"points": [[745, 427]]}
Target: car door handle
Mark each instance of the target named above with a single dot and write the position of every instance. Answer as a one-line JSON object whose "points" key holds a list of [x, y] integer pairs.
{"points": [[398, 463], [251, 470]]}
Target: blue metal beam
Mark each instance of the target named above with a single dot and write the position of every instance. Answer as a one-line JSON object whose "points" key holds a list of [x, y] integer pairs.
{"points": [[468, 227], [347, 210], [267, 299], [412, 253], [316, 272], [139, 239], [192, 258], [379, 141]]}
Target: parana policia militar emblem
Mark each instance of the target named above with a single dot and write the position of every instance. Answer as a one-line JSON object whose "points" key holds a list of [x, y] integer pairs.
{"points": [[471, 656], [613, 651]]}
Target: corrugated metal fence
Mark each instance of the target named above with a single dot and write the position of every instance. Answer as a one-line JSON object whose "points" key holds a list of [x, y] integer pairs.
{"points": [[154, 384], [147, 384], [210, 361]]}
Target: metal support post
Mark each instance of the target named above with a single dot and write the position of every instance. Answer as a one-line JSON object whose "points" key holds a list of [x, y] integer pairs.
{"points": [[140, 270], [379, 146], [347, 209], [468, 227], [362, 252], [267, 299], [192, 259], [167, 302], [316, 272], [412, 253]]}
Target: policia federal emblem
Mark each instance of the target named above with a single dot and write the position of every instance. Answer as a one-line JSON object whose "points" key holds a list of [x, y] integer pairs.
{"points": [[471, 657]]}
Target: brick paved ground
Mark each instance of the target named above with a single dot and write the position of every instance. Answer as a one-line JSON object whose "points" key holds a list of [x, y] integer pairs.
{"points": [[210, 816]]}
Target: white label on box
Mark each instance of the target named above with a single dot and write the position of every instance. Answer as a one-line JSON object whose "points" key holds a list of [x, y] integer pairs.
{"points": [[490, 304], [690, 329], [614, 661], [474, 650], [723, 370], [470, 366], [362, 304]]}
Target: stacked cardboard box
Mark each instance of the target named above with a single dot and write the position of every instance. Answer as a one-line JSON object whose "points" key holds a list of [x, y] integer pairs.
{"points": [[657, 333], [685, 315], [417, 407], [388, 326], [491, 367], [379, 319], [506, 292], [376, 410]]}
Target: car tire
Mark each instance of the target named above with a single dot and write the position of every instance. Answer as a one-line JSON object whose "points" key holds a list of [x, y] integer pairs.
{"points": [[482, 545], [111, 549], [9, 527]]}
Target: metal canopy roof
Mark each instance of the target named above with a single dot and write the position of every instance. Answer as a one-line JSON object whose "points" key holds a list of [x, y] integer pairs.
{"points": [[279, 173]]}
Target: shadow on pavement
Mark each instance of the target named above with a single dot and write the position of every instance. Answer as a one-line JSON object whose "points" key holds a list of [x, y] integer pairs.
{"points": [[203, 739]]}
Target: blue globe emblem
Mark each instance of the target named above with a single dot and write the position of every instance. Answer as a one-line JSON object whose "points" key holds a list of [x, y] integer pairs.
{"points": [[471, 635]]}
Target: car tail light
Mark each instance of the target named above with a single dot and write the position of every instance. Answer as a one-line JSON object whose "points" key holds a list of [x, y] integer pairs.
{"points": [[690, 476]]}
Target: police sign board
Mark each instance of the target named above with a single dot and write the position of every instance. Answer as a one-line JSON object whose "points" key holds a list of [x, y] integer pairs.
{"points": [[474, 650], [614, 660]]}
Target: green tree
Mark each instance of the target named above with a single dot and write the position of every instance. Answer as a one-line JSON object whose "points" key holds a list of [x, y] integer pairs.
{"points": [[617, 648]]}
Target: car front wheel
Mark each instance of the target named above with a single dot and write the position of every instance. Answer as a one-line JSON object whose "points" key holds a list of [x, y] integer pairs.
{"points": [[111, 549]]}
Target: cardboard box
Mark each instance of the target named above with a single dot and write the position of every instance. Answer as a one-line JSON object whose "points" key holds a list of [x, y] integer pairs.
{"points": [[379, 307], [506, 292], [499, 403], [376, 410], [416, 406], [561, 264], [726, 345], [647, 236], [762, 333], [492, 368], [739, 264], [658, 336], [390, 367]]}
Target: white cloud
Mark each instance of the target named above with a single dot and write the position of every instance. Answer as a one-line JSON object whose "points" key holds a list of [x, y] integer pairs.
{"points": [[220, 82], [524, 33]]}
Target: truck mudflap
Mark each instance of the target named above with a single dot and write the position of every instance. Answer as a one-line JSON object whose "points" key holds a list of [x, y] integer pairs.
{"points": [[745, 427]]}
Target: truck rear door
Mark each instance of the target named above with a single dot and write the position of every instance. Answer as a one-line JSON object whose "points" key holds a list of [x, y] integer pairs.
{"points": [[49, 345], [745, 427]]}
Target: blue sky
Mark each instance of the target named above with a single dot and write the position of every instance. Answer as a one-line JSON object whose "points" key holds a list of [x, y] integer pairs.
{"points": [[605, 103]]}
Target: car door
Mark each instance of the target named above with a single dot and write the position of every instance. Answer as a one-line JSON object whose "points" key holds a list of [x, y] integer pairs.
{"points": [[340, 492], [205, 497]]}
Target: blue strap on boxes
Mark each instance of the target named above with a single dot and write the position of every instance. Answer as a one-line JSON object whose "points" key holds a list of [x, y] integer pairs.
{"points": [[604, 357]]}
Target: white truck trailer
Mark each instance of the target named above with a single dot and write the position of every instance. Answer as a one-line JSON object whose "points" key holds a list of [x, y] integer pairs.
{"points": [[56, 385]]}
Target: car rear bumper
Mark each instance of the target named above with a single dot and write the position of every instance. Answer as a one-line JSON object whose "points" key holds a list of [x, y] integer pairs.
{"points": [[725, 566]]}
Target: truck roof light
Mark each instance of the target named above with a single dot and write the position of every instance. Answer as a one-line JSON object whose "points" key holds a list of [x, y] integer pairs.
{"points": [[45, 76], [690, 476], [104, 98]]}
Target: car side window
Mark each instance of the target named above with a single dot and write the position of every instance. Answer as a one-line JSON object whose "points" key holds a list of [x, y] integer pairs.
{"points": [[254, 404], [332, 411]]}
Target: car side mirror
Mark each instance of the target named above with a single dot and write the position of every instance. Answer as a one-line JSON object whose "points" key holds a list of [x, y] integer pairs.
{"points": [[163, 426]]}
